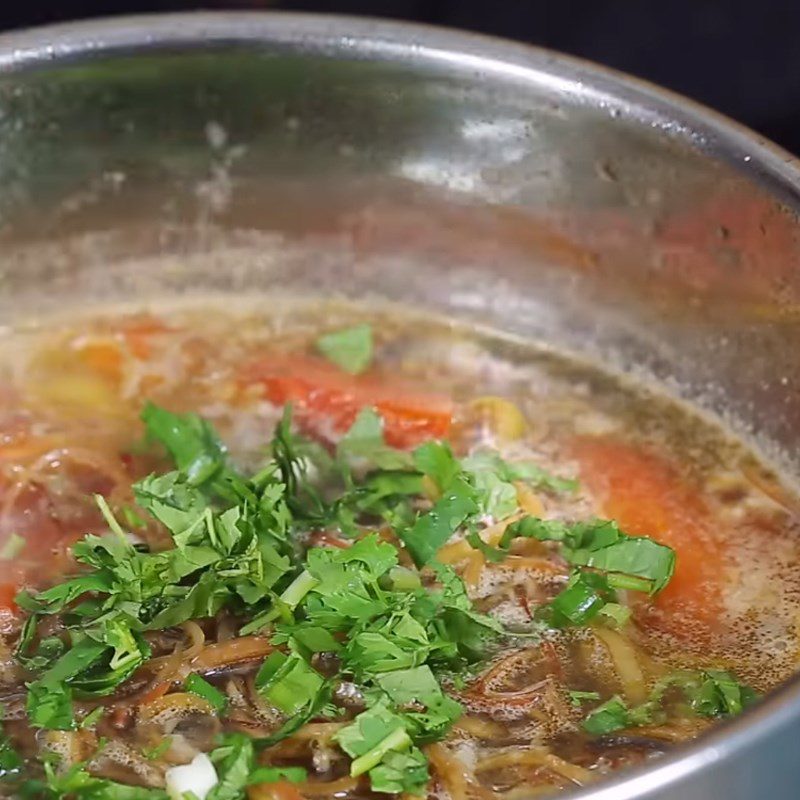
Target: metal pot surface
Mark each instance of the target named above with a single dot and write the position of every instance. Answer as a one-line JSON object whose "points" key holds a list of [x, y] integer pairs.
{"points": [[541, 196]]}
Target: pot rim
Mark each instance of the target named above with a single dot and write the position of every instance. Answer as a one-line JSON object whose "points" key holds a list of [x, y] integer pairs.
{"points": [[615, 92], [583, 81]]}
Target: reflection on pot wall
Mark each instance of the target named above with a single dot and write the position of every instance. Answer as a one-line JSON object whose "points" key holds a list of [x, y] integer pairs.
{"points": [[550, 214]]}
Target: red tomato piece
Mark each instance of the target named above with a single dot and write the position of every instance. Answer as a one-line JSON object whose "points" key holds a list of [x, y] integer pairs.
{"points": [[322, 393], [647, 496]]}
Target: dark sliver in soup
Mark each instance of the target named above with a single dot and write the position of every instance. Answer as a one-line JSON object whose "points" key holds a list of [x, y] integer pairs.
{"points": [[331, 553]]}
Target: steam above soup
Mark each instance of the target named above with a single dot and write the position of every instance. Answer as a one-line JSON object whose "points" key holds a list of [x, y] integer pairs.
{"points": [[329, 554]]}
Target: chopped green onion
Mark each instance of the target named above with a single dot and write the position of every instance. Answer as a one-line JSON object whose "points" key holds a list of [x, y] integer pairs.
{"points": [[396, 740], [288, 682], [274, 774], [156, 752], [202, 688]]}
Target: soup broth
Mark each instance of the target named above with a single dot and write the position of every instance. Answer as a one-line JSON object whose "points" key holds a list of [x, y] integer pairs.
{"points": [[333, 553]]}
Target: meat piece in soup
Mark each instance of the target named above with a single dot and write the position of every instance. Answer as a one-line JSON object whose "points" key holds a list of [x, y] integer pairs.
{"points": [[273, 558]]}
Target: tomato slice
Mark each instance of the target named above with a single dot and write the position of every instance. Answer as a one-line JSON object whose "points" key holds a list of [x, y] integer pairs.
{"points": [[105, 354], [8, 608], [322, 393], [647, 496], [8, 591]]}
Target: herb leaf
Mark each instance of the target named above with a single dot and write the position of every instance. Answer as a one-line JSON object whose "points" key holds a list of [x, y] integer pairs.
{"points": [[189, 439], [612, 715], [398, 772], [234, 760], [364, 440], [715, 693], [602, 546], [580, 601], [49, 705], [10, 760], [631, 562], [432, 529], [234, 546], [709, 693], [76, 782], [350, 349], [319, 705], [418, 686], [202, 688], [493, 477], [274, 774]]}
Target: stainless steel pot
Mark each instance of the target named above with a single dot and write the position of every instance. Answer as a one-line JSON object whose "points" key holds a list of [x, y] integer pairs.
{"points": [[542, 196]]}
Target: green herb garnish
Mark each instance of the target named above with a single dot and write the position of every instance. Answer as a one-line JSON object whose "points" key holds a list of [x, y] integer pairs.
{"points": [[76, 782], [577, 697], [202, 688], [159, 750], [709, 693], [397, 632], [10, 759], [234, 761], [288, 682], [380, 745], [604, 559], [350, 349], [273, 774]]}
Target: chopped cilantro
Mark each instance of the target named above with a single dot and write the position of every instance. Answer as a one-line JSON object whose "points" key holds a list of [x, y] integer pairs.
{"points": [[493, 478], [306, 639], [234, 761], [319, 706], [78, 784], [380, 745], [411, 685], [401, 772], [54, 600], [273, 774], [190, 440], [418, 687], [610, 716], [577, 697], [709, 693], [10, 759], [350, 349], [433, 528], [436, 460], [159, 750], [372, 734], [396, 631], [364, 440], [50, 706], [99, 659], [47, 650]]}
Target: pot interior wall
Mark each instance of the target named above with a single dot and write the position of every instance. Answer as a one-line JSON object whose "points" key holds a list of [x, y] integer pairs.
{"points": [[521, 201]]}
